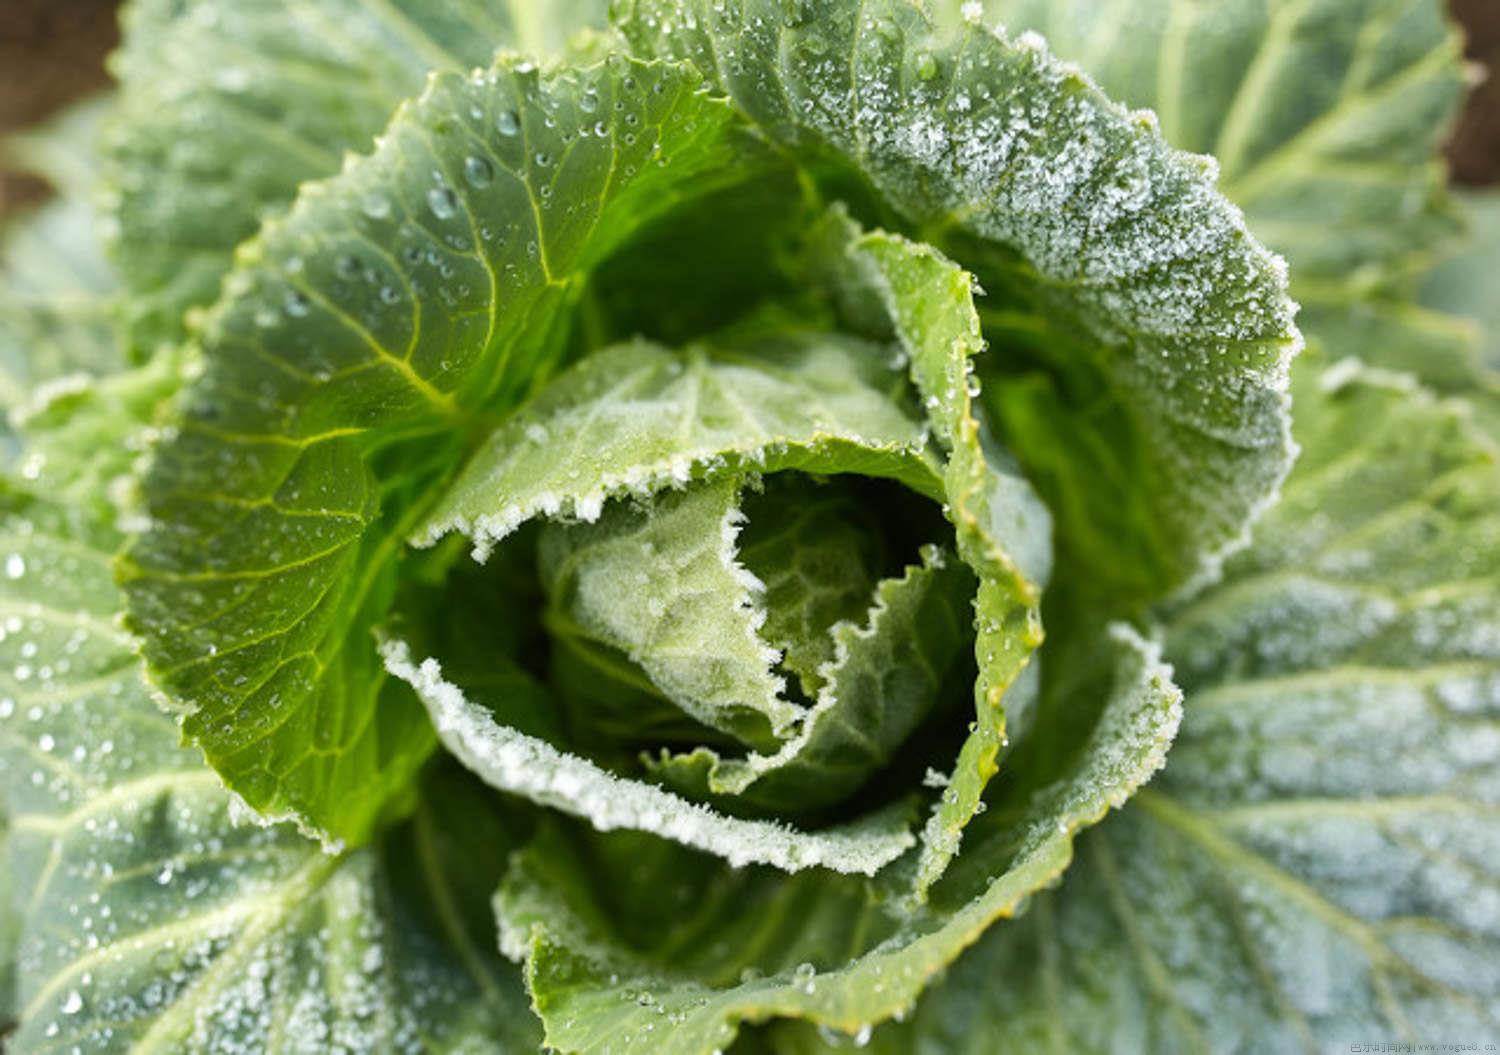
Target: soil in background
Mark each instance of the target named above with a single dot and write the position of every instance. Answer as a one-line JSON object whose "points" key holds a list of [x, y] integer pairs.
{"points": [[1474, 151], [51, 52]]}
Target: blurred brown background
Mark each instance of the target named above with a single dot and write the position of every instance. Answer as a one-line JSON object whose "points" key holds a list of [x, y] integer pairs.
{"points": [[52, 51], [1475, 147]]}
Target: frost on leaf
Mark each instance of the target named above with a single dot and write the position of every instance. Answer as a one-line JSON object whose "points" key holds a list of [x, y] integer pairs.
{"points": [[525, 765], [638, 418], [1317, 859]]}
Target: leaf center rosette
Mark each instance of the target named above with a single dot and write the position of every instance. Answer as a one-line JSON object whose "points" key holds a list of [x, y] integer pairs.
{"points": [[746, 579]]}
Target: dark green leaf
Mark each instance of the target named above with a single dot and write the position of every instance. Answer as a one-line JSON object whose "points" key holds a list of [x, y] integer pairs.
{"points": [[358, 350], [229, 105]]}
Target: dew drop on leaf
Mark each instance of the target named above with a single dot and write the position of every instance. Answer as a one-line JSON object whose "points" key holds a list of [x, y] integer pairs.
{"points": [[478, 171], [296, 304], [375, 206], [443, 202]]}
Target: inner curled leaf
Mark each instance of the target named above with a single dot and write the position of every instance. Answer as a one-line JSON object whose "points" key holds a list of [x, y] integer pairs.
{"points": [[789, 697]]}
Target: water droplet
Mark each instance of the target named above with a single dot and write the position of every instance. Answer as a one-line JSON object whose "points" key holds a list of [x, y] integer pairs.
{"points": [[507, 123], [72, 1003], [443, 202], [375, 206], [542, 159], [15, 566], [478, 171], [804, 975], [233, 80], [296, 304]]}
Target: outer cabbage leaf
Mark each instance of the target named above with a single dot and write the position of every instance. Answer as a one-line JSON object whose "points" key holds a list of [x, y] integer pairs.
{"points": [[10, 926], [64, 150], [55, 288], [1316, 865], [1443, 328], [228, 106], [1465, 282], [620, 959], [85, 438], [1466, 285], [1141, 281], [153, 916], [1396, 333], [350, 364], [1326, 116]]}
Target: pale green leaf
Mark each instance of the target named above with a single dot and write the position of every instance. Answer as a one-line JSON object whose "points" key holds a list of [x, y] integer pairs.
{"points": [[1465, 282], [884, 675], [1444, 330], [514, 762], [154, 916], [814, 546], [650, 948], [1140, 280], [662, 582], [1393, 333], [1317, 864], [358, 351], [56, 307], [229, 105], [637, 418], [10, 927], [84, 437], [887, 283]]}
